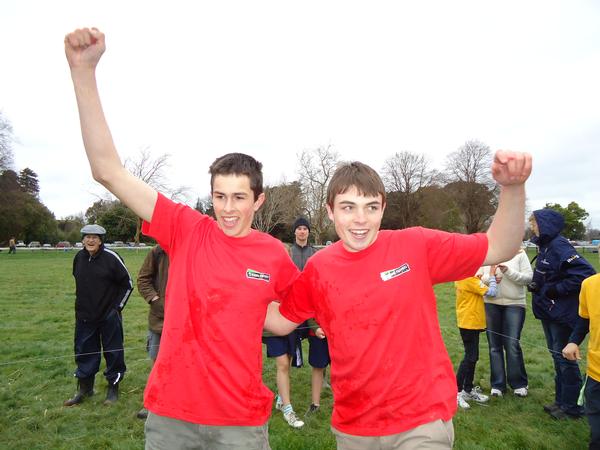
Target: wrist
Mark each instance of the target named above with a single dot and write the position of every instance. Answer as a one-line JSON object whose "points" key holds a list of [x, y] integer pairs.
{"points": [[85, 74], [517, 188]]}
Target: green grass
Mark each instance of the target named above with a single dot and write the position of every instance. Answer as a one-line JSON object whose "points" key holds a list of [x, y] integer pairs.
{"points": [[36, 367]]}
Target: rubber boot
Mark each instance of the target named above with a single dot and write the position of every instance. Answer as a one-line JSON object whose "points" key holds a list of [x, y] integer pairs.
{"points": [[142, 414], [85, 389], [112, 394]]}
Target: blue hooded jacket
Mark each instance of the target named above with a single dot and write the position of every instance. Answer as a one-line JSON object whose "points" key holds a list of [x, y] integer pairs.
{"points": [[559, 268]]}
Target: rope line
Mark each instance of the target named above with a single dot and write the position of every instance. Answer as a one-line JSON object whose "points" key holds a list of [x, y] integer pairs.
{"points": [[146, 347], [74, 355]]}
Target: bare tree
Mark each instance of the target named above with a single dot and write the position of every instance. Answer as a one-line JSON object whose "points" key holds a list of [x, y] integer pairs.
{"points": [[282, 205], [405, 174], [470, 163], [6, 142], [205, 205], [149, 169], [471, 184], [315, 169], [152, 171]]}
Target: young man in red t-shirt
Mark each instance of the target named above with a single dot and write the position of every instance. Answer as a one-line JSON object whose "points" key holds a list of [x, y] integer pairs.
{"points": [[205, 389], [372, 294]]}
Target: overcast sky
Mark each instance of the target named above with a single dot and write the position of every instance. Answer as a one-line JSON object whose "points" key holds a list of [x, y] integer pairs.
{"points": [[272, 78]]}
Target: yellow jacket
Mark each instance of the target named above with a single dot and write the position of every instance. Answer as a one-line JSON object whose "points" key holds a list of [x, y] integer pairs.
{"points": [[589, 308], [470, 311]]}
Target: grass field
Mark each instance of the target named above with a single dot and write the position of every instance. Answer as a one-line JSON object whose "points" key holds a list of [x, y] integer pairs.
{"points": [[36, 367]]}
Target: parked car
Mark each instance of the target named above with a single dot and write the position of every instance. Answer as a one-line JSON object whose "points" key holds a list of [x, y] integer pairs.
{"points": [[46, 246], [118, 244], [64, 244], [21, 244], [78, 244], [34, 244]]}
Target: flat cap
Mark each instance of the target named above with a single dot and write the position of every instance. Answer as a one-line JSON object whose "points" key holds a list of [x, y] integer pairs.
{"points": [[93, 229]]}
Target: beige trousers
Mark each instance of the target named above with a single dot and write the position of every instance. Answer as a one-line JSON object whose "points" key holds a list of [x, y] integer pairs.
{"points": [[437, 435], [164, 433]]}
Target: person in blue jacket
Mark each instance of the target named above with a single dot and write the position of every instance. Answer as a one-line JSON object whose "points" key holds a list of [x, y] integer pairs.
{"points": [[559, 272]]}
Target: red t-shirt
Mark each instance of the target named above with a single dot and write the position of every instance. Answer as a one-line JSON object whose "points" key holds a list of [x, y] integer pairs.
{"points": [[390, 371], [209, 367]]}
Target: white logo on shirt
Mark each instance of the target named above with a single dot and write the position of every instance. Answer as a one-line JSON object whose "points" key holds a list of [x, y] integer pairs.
{"points": [[393, 273], [255, 275]]}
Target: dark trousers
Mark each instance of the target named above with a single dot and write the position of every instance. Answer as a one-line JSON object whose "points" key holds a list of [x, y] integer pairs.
{"points": [[592, 410], [567, 378], [504, 325], [88, 338], [466, 369]]}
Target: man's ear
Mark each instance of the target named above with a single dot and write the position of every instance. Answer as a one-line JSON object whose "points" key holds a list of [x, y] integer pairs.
{"points": [[329, 212], [259, 201]]}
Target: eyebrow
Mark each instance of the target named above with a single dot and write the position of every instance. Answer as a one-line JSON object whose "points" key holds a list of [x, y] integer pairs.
{"points": [[233, 193], [349, 203]]}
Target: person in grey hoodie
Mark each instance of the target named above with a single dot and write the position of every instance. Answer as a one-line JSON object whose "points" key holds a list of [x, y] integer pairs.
{"points": [[505, 316]]}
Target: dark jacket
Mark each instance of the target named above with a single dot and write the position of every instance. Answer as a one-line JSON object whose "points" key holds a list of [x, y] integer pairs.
{"points": [[301, 254], [152, 282], [102, 283], [559, 271]]}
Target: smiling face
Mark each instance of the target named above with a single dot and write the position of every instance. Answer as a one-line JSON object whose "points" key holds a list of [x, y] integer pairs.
{"points": [[92, 243], [234, 205], [356, 218]]}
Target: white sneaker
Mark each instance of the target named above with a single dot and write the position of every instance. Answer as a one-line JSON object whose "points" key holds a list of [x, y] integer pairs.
{"points": [[476, 395], [460, 399], [278, 403], [292, 420], [521, 392], [496, 392]]}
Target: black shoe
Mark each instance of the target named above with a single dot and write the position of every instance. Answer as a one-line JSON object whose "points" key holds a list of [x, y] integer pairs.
{"points": [[112, 394], [550, 408], [142, 414], [85, 389], [313, 409], [559, 414]]}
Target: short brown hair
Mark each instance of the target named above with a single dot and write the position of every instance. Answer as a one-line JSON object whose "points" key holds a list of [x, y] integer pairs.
{"points": [[364, 178], [238, 164]]}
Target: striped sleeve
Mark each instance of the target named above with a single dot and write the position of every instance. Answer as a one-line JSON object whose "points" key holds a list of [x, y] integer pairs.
{"points": [[123, 278]]}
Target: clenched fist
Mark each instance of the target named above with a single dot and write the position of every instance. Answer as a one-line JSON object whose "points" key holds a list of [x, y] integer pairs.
{"points": [[84, 47]]}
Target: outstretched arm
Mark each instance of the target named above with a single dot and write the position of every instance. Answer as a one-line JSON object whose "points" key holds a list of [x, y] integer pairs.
{"points": [[276, 323], [83, 48], [510, 170]]}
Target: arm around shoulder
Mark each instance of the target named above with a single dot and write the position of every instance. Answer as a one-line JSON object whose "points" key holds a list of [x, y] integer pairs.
{"points": [[276, 323]]}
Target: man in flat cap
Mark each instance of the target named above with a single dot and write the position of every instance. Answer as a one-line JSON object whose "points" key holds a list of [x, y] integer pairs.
{"points": [[103, 286]]}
